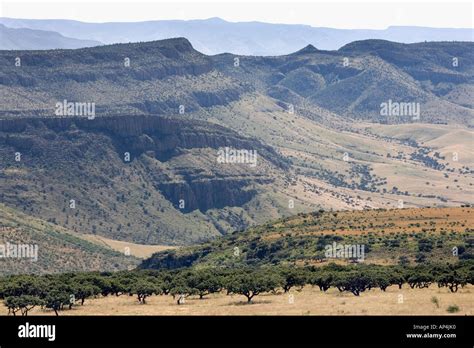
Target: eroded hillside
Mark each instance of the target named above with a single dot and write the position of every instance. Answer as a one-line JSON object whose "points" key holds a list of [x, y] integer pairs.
{"points": [[146, 179], [313, 118]]}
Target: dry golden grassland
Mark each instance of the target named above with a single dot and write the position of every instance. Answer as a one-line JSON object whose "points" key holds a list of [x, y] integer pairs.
{"points": [[309, 301], [411, 220], [141, 251]]}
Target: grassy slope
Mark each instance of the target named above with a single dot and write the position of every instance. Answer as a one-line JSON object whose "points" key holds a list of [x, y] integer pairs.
{"points": [[59, 249], [317, 153], [386, 234], [138, 250]]}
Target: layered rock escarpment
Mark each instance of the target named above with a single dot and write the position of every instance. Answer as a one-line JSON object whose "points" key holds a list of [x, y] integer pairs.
{"points": [[138, 134], [131, 171]]}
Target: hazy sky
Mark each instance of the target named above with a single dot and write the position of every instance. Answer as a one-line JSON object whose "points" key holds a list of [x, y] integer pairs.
{"points": [[336, 14]]}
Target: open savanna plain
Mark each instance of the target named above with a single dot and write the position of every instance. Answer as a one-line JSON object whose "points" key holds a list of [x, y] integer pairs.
{"points": [[414, 262], [308, 301]]}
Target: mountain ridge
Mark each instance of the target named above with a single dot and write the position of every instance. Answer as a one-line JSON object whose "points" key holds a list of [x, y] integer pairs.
{"points": [[315, 123], [21, 38], [423, 71], [214, 36]]}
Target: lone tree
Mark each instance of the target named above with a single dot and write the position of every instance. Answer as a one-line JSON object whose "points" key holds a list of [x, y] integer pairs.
{"points": [[181, 289], [166, 278], [397, 277], [122, 283], [353, 281], [452, 280], [380, 279], [144, 288], [56, 299], [205, 282], [321, 278], [419, 280], [251, 283], [293, 277], [83, 291]]}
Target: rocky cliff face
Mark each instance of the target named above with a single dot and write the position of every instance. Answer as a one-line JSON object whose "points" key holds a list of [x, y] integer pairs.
{"points": [[170, 108], [171, 161], [209, 194], [165, 136]]}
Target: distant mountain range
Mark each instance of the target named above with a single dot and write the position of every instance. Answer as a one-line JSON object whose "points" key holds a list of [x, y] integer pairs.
{"points": [[376, 72], [212, 36], [32, 39]]}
